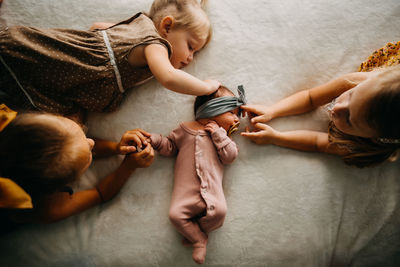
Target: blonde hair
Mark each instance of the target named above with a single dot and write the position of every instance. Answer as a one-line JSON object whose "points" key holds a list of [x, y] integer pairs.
{"points": [[33, 154], [187, 14], [383, 115]]}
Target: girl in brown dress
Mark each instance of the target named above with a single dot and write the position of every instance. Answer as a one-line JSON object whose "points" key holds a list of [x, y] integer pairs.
{"points": [[68, 71]]}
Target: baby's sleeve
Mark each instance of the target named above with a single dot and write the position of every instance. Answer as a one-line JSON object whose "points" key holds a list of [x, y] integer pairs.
{"points": [[166, 146], [227, 149]]}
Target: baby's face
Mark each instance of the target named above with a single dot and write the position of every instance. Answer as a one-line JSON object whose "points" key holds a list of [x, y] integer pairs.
{"points": [[228, 120]]}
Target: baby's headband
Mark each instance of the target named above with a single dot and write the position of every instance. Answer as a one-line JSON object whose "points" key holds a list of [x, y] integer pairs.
{"points": [[12, 196], [219, 105]]}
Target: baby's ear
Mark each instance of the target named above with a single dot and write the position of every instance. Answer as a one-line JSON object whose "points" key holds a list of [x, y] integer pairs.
{"points": [[166, 25], [394, 156]]}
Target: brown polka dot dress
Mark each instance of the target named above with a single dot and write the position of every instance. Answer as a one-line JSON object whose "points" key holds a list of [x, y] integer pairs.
{"points": [[63, 71]]}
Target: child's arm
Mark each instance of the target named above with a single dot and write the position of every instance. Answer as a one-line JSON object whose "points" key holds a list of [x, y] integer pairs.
{"points": [[227, 149], [62, 205], [174, 79], [306, 100], [128, 143], [301, 139]]}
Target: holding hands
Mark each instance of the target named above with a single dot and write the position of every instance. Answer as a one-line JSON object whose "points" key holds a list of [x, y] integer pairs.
{"points": [[131, 142]]}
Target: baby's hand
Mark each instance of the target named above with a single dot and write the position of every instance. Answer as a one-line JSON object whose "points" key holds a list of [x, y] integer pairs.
{"points": [[142, 159], [263, 134], [211, 126], [213, 86], [131, 140], [257, 113]]}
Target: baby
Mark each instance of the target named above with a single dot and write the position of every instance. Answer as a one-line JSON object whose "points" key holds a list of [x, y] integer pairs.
{"points": [[202, 146]]}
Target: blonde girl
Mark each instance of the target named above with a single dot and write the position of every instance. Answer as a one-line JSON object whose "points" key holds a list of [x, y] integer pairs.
{"points": [[70, 71], [364, 110]]}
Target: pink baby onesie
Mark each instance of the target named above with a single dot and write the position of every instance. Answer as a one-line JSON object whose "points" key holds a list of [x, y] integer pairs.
{"points": [[198, 203]]}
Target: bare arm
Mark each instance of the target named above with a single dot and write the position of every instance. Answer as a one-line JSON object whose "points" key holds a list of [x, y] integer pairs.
{"points": [[301, 139], [306, 100], [128, 143], [174, 79], [62, 205]]}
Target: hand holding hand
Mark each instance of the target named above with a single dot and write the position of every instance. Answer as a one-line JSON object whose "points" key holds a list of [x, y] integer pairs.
{"points": [[131, 140], [263, 134], [142, 159], [213, 85], [211, 126], [258, 113]]}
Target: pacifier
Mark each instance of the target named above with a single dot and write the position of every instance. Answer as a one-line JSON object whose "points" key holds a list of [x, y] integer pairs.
{"points": [[233, 128]]}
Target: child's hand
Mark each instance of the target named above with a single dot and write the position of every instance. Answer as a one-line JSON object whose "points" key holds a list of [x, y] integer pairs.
{"points": [[257, 113], [211, 126], [142, 159], [263, 134], [213, 86], [131, 140]]}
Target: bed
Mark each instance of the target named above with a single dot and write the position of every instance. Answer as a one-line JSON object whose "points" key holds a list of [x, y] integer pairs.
{"points": [[285, 207]]}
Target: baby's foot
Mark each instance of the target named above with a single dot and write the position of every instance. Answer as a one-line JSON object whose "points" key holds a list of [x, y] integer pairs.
{"points": [[199, 251]]}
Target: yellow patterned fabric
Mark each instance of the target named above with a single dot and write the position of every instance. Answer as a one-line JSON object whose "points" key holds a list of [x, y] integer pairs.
{"points": [[12, 196], [386, 56], [6, 116]]}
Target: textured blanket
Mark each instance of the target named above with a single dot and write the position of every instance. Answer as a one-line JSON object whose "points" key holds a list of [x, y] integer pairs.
{"points": [[285, 207]]}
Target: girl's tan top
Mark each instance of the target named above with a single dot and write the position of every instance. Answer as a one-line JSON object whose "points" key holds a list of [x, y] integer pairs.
{"points": [[65, 70]]}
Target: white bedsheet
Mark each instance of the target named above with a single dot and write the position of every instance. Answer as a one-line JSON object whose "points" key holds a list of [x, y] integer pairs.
{"points": [[285, 208]]}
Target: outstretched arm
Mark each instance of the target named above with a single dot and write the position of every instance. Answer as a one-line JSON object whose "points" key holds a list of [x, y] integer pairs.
{"points": [[306, 100], [174, 79], [130, 141], [62, 205], [301, 139]]}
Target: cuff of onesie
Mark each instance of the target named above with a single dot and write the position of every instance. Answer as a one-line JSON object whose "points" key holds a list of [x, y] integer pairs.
{"points": [[155, 140]]}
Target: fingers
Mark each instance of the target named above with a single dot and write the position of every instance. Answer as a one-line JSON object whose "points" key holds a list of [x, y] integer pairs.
{"points": [[132, 139], [261, 126], [144, 158], [250, 108]]}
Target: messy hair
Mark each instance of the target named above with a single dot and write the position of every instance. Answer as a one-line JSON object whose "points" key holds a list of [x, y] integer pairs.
{"points": [[383, 116], [200, 100], [32, 155], [188, 14]]}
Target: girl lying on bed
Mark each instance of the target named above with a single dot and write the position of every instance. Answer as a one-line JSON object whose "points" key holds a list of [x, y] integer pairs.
{"points": [[364, 108], [41, 154], [70, 72]]}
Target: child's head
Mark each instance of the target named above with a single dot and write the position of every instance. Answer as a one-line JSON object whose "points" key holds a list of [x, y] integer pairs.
{"points": [[228, 120], [43, 153], [184, 24], [371, 109], [364, 119]]}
